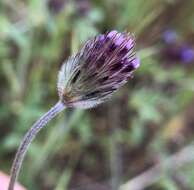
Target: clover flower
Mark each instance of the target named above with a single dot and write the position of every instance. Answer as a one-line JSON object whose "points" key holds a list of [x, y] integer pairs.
{"points": [[86, 79], [103, 65]]}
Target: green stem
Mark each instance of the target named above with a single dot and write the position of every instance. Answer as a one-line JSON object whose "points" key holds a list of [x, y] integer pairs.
{"points": [[28, 138]]}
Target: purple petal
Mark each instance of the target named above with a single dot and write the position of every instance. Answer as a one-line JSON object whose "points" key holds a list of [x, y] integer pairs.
{"points": [[130, 44], [136, 62], [119, 40], [101, 37], [187, 54], [112, 33]]}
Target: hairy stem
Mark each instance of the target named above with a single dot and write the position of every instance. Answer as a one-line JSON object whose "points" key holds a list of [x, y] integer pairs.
{"points": [[28, 138]]}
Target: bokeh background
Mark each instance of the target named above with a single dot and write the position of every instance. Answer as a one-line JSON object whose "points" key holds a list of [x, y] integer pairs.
{"points": [[142, 127]]}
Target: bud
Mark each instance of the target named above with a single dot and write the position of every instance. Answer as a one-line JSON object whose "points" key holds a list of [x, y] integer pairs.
{"points": [[103, 64]]}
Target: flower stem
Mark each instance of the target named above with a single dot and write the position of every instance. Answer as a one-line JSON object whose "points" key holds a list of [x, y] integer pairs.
{"points": [[28, 138]]}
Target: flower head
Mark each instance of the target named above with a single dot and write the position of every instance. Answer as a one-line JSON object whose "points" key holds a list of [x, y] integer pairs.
{"points": [[187, 54], [170, 36], [103, 64], [179, 53]]}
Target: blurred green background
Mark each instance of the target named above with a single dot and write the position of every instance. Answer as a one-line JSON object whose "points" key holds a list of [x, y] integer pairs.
{"points": [[149, 119]]}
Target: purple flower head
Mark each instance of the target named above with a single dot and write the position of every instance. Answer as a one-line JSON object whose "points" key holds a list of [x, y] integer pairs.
{"points": [[179, 53], [187, 54], [169, 36], [103, 64]]}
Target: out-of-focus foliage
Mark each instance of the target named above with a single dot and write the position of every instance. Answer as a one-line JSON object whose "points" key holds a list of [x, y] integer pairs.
{"points": [[100, 149]]}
